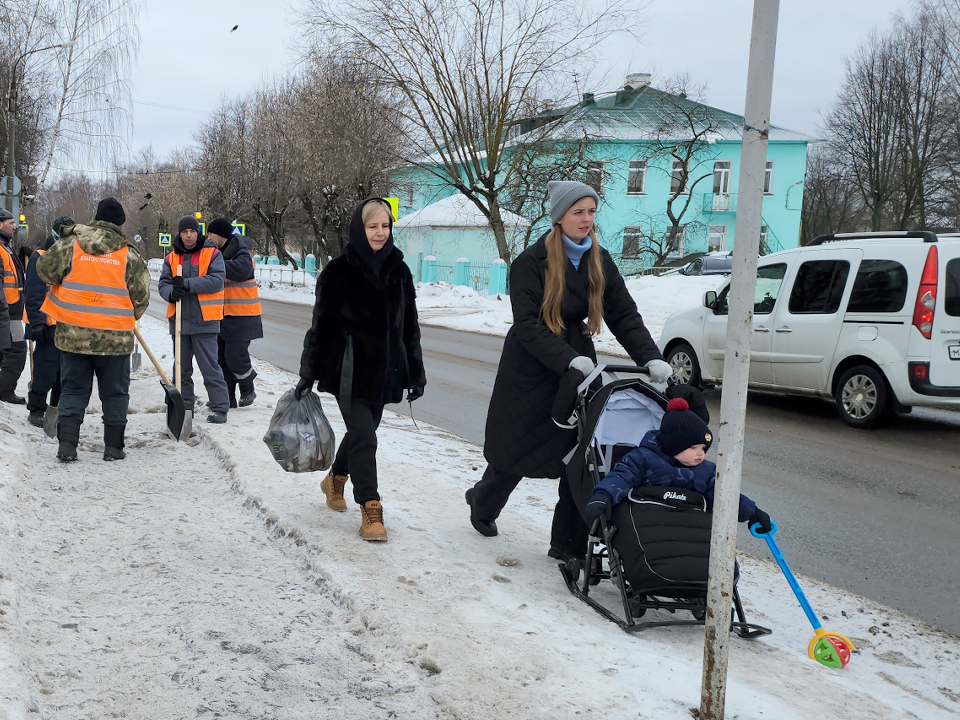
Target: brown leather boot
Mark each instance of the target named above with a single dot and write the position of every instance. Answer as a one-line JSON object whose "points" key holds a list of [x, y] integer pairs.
{"points": [[371, 522], [332, 486]]}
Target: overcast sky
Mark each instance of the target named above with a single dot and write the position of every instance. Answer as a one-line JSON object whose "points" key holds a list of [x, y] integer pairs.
{"points": [[189, 58]]}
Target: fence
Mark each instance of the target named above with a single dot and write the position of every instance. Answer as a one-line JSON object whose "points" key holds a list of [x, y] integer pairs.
{"points": [[282, 275], [634, 267], [491, 278]]}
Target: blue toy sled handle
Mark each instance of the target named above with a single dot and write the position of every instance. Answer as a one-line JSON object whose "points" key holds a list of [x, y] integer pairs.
{"points": [[787, 572]]}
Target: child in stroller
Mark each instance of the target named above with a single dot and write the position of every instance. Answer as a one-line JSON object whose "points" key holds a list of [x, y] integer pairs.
{"points": [[638, 475], [673, 456]]}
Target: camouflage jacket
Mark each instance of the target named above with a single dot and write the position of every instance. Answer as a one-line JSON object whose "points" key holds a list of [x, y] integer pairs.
{"points": [[97, 238]]}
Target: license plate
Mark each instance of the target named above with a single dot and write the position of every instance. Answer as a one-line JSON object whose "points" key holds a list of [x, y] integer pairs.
{"points": [[954, 351]]}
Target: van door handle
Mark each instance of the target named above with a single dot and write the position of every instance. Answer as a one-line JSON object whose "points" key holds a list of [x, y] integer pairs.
{"points": [[784, 329], [761, 329]]}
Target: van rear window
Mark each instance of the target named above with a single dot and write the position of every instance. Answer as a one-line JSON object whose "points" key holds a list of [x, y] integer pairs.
{"points": [[880, 287], [951, 298]]}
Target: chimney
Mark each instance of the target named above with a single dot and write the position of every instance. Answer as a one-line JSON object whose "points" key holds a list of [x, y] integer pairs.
{"points": [[637, 81], [587, 100]]}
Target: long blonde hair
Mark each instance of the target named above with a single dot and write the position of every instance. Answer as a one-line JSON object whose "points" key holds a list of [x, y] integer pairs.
{"points": [[554, 285]]}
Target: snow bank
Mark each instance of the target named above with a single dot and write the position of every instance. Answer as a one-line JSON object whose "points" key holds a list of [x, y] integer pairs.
{"points": [[486, 624]]}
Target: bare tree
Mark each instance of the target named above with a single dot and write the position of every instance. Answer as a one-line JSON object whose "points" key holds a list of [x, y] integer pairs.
{"points": [[470, 72], [831, 202]]}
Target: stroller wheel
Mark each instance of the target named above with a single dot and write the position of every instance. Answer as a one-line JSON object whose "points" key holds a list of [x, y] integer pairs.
{"points": [[700, 615]]}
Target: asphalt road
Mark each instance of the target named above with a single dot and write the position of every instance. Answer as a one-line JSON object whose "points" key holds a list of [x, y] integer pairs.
{"points": [[874, 512]]}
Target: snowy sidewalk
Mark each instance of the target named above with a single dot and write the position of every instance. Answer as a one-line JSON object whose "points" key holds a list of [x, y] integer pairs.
{"points": [[217, 583]]}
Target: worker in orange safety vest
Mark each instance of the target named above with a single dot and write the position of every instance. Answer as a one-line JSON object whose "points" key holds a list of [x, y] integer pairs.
{"points": [[13, 345]]}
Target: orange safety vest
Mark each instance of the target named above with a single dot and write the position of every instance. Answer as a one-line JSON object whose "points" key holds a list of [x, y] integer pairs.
{"points": [[50, 320], [241, 297], [94, 293], [211, 304], [11, 288]]}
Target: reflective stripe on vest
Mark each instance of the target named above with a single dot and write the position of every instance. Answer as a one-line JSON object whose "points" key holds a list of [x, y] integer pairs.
{"points": [[94, 293], [241, 298], [11, 289], [211, 304], [50, 320]]}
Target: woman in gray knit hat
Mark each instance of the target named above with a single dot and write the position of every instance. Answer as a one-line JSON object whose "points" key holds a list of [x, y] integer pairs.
{"points": [[563, 288]]}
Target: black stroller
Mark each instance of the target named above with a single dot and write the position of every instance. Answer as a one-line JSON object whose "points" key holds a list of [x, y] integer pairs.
{"points": [[656, 546]]}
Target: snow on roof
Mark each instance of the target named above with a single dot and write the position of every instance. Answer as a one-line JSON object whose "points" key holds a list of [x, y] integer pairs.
{"points": [[455, 211]]}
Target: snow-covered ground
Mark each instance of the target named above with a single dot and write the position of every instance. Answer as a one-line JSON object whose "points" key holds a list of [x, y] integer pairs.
{"points": [[463, 308], [200, 578]]}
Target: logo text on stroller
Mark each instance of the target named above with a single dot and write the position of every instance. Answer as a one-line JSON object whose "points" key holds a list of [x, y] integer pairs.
{"points": [[670, 495]]}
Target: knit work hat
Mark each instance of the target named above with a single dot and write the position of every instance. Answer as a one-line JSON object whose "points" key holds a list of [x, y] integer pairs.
{"points": [[111, 211], [5, 215], [682, 428], [564, 193], [61, 222], [221, 227], [188, 222]]}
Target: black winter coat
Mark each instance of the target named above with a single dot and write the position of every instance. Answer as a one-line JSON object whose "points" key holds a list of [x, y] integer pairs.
{"points": [[364, 343], [238, 259], [521, 436]]}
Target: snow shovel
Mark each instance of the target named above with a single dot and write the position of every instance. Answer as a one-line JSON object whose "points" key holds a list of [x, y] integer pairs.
{"points": [[172, 396], [187, 429], [827, 648], [135, 359]]}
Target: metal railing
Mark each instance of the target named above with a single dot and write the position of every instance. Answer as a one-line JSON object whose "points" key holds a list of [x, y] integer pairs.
{"points": [[719, 202]]}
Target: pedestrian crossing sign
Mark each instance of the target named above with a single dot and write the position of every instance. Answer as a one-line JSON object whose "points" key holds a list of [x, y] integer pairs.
{"points": [[203, 228], [394, 206], [240, 228], [165, 240]]}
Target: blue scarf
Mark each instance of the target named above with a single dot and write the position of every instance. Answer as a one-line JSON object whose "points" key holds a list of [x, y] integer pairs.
{"points": [[576, 251]]}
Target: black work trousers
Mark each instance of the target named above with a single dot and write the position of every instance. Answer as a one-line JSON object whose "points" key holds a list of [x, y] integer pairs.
{"points": [[113, 385], [569, 532], [12, 362], [357, 454], [234, 359], [46, 377]]}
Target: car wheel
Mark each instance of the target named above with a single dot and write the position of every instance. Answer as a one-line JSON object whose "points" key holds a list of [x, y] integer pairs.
{"points": [[862, 396], [686, 367]]}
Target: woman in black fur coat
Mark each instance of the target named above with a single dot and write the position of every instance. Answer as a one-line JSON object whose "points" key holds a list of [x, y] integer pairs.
{"points": [[364, 348]]}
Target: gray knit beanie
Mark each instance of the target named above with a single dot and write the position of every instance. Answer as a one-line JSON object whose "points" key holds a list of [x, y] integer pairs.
{"points": [[564, 193]]}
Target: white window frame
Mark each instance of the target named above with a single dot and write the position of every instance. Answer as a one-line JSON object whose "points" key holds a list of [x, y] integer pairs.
{"points": [[596, 167], [637, 168], [632, 231], [718, 231], [722, 169], [675, 173], [764, 235], [768, 178]]}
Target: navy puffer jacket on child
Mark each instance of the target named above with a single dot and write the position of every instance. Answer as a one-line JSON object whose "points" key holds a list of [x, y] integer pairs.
{"points": [[650, 465]]}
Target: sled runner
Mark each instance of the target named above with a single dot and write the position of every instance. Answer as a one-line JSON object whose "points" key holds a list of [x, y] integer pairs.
{"points": [[656, 548]]}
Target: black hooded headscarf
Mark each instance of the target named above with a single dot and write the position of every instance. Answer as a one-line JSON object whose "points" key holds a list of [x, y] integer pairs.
{"points": [[358, 240]]}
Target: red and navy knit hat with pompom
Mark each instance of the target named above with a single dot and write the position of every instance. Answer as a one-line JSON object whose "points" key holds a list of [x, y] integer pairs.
{"points": [[682, 428]]}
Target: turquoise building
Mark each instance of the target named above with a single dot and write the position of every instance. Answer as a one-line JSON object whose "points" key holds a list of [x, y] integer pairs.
{"points": [[637, 141]]}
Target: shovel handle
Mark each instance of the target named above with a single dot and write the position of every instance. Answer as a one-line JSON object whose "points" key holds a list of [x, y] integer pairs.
{"points": [[163, 375], [176, 340]]}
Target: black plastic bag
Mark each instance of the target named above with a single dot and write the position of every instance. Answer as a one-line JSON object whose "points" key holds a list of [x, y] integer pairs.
{"points": [[300, 437]]}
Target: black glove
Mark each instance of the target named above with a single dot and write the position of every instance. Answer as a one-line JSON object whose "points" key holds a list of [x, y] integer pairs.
{"points": [[180, 282], [303, 387], [759, 516], [415, 393], [42, 334], [600, 505], [177, 292]]}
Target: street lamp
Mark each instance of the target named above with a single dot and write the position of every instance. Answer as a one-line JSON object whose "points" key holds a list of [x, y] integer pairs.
{"points": [[12, 116]]}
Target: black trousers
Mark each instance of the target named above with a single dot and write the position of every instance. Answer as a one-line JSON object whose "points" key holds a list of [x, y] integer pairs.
{"points": [[12, 362], [113, 385], [569, 532], [357, 454], [46, 377], [234, 359]]}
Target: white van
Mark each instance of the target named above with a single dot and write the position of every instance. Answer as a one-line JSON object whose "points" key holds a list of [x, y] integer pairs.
{"points": [[871, 320]]}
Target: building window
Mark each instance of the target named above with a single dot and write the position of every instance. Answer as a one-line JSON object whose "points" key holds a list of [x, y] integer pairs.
{"points": [[768, 179], [717, 240], [764, 239], [678, 179], [721, 177], [632, 241], [637, 178], [595, 175]]}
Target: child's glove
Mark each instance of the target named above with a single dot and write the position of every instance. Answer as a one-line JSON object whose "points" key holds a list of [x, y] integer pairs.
{"points": [[599, 506], [761, 518]]}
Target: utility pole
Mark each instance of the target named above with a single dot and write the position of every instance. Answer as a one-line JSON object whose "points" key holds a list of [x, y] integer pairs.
{"points": [[736, 363]]}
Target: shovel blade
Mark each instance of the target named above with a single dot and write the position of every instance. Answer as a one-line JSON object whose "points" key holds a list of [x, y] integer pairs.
{"points": [[175, 409], [135, 361], [51, 416]]}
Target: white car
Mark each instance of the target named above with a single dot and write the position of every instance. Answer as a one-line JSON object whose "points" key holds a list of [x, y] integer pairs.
{"points": [[871, 320]]}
